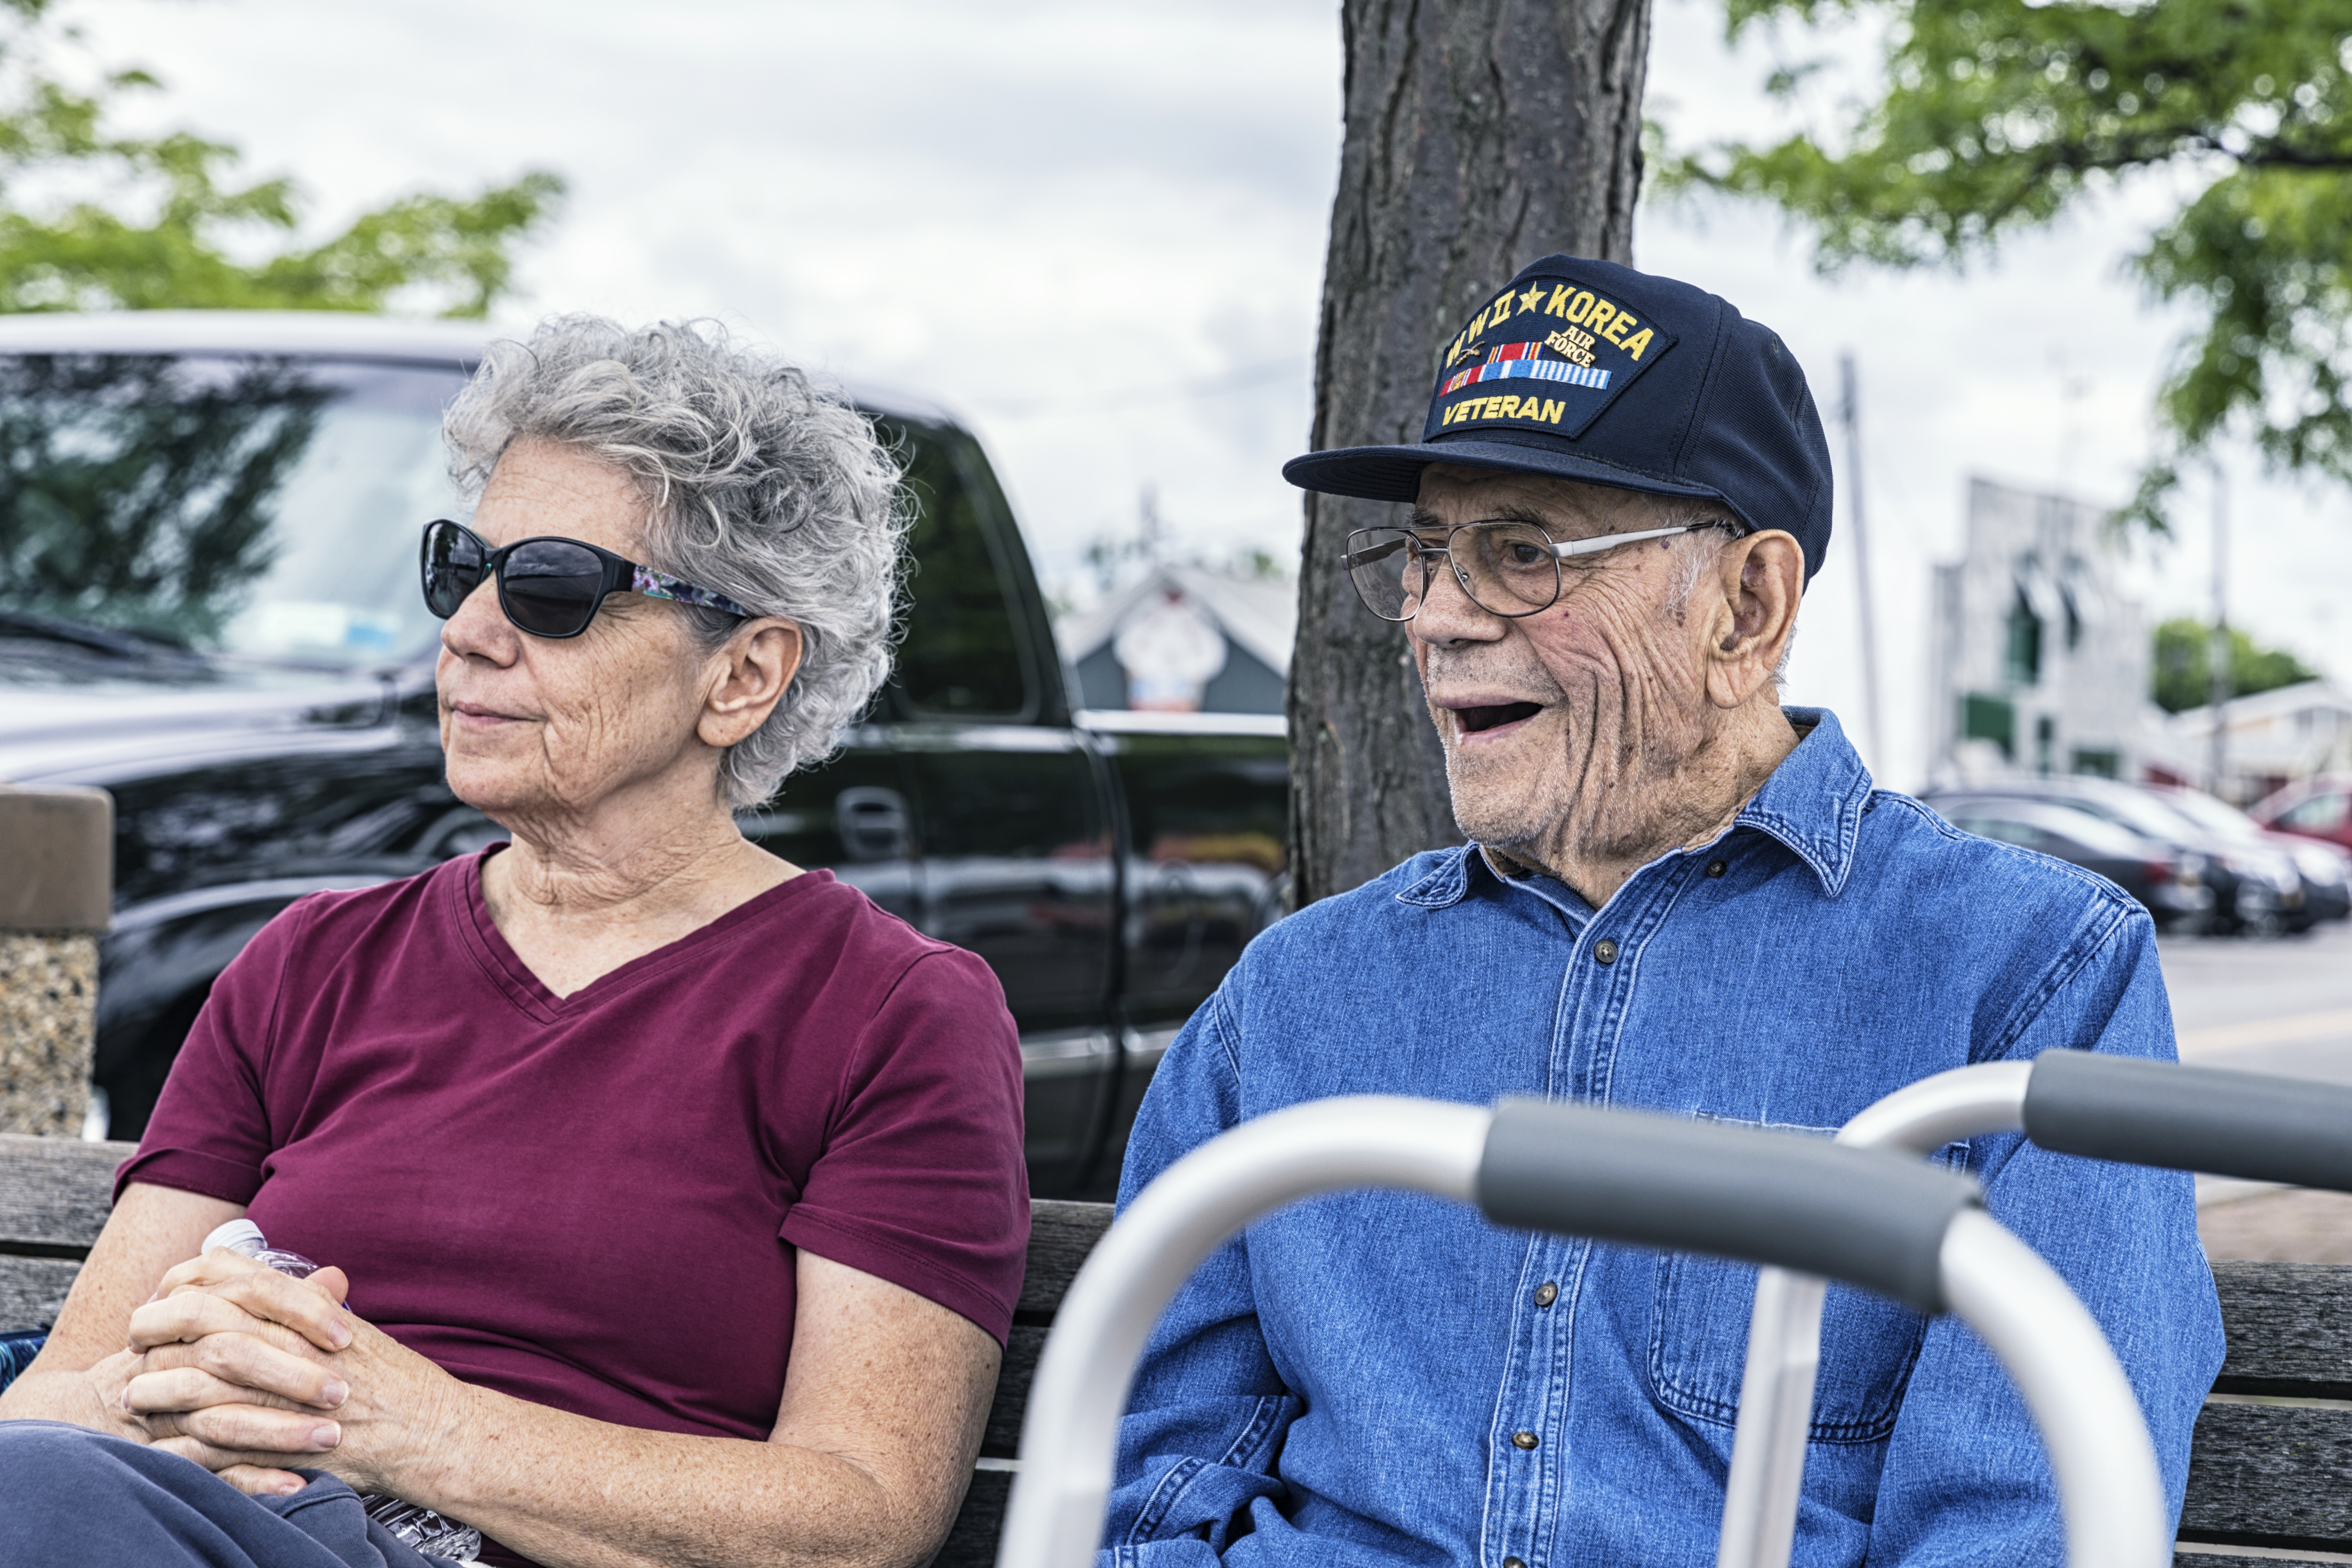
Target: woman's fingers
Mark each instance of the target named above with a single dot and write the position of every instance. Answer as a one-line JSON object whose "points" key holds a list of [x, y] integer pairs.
{"points": [[243, 1433], [193, 1388], [311, 1308], [248, 1304], [294, 1373], [192, 1316], [186, 1317], [255, 1480], [210, 1268]]}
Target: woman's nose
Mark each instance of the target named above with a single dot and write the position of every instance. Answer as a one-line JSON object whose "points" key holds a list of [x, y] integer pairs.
{"points": [[481, 628]]}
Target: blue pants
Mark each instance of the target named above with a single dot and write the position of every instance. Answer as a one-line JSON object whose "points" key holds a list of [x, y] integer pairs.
{"points": [[78, 1499]]}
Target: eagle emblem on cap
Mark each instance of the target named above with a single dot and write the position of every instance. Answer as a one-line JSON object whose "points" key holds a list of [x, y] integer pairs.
{"points": [[1548, 356]]}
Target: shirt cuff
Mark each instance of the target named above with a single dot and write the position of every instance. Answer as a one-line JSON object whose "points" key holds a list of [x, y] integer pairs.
{"points": [[888, 1254], [208, 1174]]}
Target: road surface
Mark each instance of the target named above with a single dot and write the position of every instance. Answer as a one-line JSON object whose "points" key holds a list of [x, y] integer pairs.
{"points": [[2279, 1007]]}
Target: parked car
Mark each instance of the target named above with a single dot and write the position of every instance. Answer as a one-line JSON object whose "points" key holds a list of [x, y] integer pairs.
{"points": [[2256, 888], [2169, 881], [209, 607], [2318, 808], [2326, 870]]}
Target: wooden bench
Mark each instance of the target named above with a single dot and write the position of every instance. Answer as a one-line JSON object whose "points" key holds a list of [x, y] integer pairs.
{"points": [[2271, 1465], [54, 1192]]}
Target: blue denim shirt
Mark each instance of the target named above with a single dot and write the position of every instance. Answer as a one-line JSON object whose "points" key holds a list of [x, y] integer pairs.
{"points": [[1343, 1383]]}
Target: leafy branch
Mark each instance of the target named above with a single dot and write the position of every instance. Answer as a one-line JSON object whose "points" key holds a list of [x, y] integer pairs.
{"points": [[1996, 116], [160, 239]]}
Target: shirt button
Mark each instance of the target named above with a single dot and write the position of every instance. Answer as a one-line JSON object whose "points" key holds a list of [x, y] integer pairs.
{"points": [[1547, 1293], [1716, 867], [1524, 1439], [1513, 1562], [1605, 950]]}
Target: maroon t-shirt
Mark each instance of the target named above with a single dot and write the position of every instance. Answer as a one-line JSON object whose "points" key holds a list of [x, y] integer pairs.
{"points": [[592, 1202]]}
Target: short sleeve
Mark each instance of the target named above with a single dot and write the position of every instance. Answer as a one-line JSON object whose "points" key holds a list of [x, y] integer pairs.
{"points": [[210, 1131], [922, 1181]]}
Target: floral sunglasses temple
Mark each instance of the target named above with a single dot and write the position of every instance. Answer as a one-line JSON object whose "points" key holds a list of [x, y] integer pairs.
{"points": [[655, 585]]}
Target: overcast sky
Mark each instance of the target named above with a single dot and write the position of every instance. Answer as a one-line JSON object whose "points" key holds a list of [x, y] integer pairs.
{"points": [[1095, 231]]}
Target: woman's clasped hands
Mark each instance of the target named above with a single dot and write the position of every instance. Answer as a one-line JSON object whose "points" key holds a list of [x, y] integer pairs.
{"points": [[250, 1372]]}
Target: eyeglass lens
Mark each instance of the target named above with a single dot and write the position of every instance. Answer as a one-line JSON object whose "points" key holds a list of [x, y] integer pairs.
{"points": [[453, 568], [1507, 568], [547, 586]]}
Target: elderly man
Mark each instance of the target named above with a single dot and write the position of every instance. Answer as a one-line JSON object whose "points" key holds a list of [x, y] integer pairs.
{"points": [[1677, 895]]}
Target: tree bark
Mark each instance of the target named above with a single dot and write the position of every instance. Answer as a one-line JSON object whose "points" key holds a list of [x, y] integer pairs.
{"points": [[1479, 135]]}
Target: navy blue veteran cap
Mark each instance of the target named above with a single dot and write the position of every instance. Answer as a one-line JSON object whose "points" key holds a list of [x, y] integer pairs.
{"points": [[1586, 370]]}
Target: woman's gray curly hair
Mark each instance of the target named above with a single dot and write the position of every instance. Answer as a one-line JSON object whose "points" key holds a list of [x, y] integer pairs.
{"points": [[760, 485]]}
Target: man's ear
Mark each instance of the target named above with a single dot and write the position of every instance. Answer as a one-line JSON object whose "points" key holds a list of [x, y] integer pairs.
{"points": [[1762, 580]]}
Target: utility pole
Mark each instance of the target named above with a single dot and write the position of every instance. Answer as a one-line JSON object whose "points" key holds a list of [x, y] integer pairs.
{"points": [[1851, 408], [1149, 535], [2218, 657]]}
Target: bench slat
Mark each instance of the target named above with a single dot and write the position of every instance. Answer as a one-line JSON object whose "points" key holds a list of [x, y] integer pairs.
{"points": [[55, 1191], [1061, 1234], [32, 1289], [1022, 1348], [2289, 1327], [971, 1540], [2269, 1475]]}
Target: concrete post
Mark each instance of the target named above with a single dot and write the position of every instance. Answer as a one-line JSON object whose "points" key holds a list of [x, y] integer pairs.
{"points": [[57, 881]]}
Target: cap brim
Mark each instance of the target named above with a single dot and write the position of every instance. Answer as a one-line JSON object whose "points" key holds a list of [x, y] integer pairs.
{"points": [[1393, 473]]}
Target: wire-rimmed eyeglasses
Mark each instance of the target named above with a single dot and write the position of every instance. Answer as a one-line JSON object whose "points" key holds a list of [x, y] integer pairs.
{"points": [[1508, 568]]}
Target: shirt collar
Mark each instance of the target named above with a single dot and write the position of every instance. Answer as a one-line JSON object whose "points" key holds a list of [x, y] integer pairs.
{"points": [[1812, 803]]}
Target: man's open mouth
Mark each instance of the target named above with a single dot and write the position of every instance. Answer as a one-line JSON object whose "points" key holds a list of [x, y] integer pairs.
{"points": [[1474, 719]]}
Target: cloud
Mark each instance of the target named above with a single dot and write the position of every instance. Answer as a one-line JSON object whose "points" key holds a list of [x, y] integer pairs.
{"points": [[1020, 208]]}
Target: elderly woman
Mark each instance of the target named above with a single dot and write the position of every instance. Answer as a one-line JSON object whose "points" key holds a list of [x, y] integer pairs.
{"points": [[673, 1194]]}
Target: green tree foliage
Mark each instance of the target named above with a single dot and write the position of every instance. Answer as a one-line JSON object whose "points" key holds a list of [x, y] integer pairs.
{"points": [[2000, 115], [154, 226], [2182, 675]]}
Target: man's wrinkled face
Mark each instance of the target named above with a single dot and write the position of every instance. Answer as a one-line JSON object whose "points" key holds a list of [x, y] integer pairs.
{"points": [[1558, 725]]}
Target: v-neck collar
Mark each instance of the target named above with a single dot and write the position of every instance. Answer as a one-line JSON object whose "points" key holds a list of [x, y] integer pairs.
{"points": [[504, 969]]}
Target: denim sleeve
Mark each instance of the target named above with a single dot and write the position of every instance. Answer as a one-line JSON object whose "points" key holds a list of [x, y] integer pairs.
{"points": [[1208, 1412], [1965, 1479]]}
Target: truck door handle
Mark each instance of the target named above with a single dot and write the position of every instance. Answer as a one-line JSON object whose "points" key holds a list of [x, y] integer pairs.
{"points": [[873, 823]]}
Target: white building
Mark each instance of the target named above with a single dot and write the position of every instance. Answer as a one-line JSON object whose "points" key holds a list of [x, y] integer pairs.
{"points": [[1184, 638], [2038, 663], [2268, 740]]}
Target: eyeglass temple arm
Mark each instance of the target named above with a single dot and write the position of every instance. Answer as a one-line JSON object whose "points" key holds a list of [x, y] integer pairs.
{"points": [[1612, 540]]}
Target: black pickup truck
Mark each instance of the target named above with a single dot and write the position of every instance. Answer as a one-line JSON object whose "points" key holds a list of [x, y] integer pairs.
{"points": [[208, 607]]}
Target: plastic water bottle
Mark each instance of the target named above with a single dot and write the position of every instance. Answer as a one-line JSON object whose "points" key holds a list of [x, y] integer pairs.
{"points": [[419, 1526]]}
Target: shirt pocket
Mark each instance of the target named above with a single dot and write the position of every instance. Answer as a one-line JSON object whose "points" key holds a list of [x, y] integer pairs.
{"points": [[1699, 1350], [1698, 1343]]}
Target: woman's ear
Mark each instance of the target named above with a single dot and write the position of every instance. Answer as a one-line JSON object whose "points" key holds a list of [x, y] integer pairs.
{"points": [[749, 677], [1763, 581]]}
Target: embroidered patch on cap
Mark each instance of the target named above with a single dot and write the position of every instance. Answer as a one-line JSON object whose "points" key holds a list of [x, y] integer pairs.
{"points": [[1549, 355]]}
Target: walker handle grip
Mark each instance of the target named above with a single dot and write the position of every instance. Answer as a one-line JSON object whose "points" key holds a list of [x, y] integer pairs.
{"points": [[2254, 1125], [1874, 1219]]}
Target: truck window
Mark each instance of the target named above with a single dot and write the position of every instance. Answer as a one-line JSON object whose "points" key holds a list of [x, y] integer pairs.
{"points": [[260, 505], [962, 655]]}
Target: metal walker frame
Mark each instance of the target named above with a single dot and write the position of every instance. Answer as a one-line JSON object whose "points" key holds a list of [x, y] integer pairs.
{"points": [[1904, 1229], [2106, 1107]]}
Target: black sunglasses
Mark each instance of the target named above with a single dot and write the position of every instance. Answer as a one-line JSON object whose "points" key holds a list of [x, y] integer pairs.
{"points": [[550, 587]]}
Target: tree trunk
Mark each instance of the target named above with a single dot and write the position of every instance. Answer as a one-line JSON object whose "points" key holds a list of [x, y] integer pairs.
{"points": [[1479, 135]]}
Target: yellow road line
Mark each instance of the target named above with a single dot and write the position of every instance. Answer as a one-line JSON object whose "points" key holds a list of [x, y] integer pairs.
{"points": [[2266, 1032]]}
